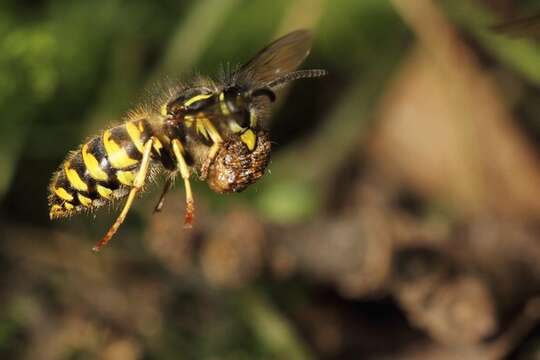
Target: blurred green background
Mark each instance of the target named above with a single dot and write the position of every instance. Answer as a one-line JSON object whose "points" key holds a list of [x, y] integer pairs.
{"points": [[409, 173]]}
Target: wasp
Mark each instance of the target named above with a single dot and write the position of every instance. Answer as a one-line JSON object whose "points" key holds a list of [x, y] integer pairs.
{"points": [[213, 129]]}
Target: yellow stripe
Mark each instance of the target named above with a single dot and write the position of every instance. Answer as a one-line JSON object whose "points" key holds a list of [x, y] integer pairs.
{"points": [[235, 128], [214, 134], [104, 192], [158, 145], [125, 177], [249, 138], [92, 165], [179, 145], [188, 120], [56, 210], [74, 179], [85, 201], [201, 129], [222, 105], [197, 98], [135, 135], [63, 194], [117, 156], [68, 206]]}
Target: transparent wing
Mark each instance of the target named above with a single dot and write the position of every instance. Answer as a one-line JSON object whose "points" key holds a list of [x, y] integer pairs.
{"points": [[525, 26], [280, 57]]}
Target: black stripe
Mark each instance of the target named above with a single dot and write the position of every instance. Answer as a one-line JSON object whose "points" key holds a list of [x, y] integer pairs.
{"points": [[96, 148], [120, 136], [63, 182], [147, 130], [77, 163]]}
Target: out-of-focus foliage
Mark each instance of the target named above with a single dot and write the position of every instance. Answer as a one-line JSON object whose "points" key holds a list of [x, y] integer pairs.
{"points": [[399, 216]]}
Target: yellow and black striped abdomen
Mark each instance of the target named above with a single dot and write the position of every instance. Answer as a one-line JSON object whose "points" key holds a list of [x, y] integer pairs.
{"points": [[103, 169]]}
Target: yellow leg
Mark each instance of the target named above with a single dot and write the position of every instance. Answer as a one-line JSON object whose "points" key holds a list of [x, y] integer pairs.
{"points": [[184, 171], [209, 159], [161, 201], [137, 186], [217, 140]]}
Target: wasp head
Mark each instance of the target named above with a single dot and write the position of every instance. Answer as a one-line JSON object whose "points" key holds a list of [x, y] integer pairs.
{"points": [[245, 152]]}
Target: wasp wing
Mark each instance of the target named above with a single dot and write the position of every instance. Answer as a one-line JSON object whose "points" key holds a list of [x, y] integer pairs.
{"points": [[282, 56]]}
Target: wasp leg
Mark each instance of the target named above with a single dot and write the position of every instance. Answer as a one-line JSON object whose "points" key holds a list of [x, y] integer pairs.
{"points": [[161, 201], [137, 186], [185, 173], [209, 159], [217, 140]]}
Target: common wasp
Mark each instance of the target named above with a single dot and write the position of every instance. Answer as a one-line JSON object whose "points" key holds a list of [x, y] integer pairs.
{"points": [[211, 128]]}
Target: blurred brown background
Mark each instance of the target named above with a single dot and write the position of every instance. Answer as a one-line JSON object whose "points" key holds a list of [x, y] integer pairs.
{"points": [[399, 219]]}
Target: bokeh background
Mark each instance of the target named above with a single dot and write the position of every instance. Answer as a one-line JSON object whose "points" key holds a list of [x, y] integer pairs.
{"points": [[399, 219]]}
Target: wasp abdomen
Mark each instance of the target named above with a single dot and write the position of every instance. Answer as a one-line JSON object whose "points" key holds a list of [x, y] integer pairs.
{"points": [[101, 170]]}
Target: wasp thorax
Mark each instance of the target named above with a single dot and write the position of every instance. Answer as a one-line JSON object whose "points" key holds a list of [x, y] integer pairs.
{"points": [[235, 167]]}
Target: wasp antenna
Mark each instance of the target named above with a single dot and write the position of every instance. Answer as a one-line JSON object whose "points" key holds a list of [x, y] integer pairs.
{"points": [[295, 75]]}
